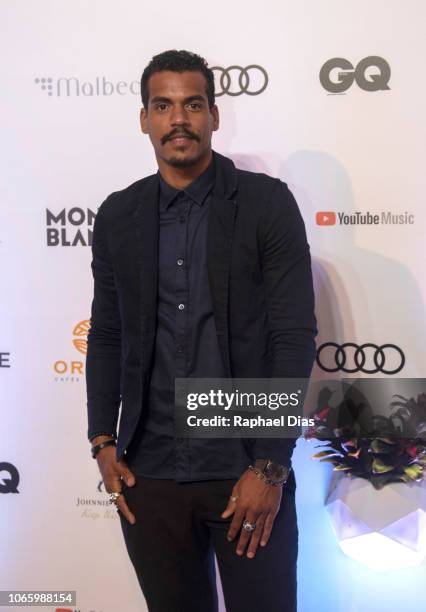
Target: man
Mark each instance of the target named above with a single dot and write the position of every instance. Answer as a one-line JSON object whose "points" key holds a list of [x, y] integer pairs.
{"points": [[200, 270]]}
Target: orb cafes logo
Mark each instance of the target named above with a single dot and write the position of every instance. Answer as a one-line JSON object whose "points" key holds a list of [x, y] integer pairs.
{"points": [[73, 86], [70, 371], [70, 227], [338, 74]]}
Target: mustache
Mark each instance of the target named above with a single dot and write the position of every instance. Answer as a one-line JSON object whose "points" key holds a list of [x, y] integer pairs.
{"points": [[180, 132]]}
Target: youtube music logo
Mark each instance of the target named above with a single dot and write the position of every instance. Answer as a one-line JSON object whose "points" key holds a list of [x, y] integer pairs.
{"points": [[326, 218], [385, 217]]}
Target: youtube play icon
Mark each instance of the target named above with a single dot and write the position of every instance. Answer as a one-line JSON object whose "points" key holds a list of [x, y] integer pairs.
{"points": [[326, 218]]}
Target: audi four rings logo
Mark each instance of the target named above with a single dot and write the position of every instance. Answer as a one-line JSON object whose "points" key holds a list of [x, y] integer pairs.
{"points": [[368, 358], [236, 80], [346, 74]]}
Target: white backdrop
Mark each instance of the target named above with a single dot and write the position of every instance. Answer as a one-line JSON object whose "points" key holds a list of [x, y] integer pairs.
{"points": [[358, 150]]}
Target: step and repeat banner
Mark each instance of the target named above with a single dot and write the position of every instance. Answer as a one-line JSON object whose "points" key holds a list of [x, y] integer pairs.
{"points": [[328, 96]]}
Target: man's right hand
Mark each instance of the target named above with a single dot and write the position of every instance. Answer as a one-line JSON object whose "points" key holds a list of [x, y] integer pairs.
{"points": [[113, 472]]}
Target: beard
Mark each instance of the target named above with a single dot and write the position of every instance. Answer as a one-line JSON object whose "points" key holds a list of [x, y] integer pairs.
{"points": [[183, 162]]}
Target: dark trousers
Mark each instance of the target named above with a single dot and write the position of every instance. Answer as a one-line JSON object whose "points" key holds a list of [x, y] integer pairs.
{"points": [[179, 528]]}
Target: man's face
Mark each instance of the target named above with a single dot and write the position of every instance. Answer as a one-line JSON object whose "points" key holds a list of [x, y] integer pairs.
{"points": [[178, 118]]}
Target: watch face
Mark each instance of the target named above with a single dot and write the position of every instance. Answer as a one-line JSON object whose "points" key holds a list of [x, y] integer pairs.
{"points": [[274, 470]]}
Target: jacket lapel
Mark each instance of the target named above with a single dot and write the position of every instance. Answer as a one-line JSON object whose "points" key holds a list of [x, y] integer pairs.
{"points": [[147, 227], [222, 215]]}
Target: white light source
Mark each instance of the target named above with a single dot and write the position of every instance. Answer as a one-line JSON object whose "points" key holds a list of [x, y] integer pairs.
{"points": [[383, 529]]}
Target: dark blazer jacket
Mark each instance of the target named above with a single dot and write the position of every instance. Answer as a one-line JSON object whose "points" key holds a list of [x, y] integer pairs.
{"points": [[259, 272]]}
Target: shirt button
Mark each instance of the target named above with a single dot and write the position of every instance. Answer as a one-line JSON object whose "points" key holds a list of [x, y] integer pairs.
{"points": [[179, 348], [181, 306], [179, 262]]}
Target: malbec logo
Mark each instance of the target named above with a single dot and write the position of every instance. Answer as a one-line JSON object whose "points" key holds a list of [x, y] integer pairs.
{"points": [[73, 86]]}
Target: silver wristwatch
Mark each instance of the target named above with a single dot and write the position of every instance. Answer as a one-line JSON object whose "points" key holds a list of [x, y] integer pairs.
{"points": [[274, 473]]}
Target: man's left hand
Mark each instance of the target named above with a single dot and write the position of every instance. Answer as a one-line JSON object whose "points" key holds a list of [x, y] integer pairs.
{"points": [[257, 502]]}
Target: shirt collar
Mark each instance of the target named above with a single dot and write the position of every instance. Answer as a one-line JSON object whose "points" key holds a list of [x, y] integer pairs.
{"points": [[197, 190]]}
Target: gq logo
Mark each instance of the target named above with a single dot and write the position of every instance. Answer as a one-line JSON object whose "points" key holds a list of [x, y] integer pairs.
{"points": [[9, 478], [338, 74]]}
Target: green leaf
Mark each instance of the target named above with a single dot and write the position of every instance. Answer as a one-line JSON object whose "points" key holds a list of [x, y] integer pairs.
{"points": [[341, 467], [414, 471], [386, 440], [378, 467], [325, 453], [378, 446], [400, 397]]}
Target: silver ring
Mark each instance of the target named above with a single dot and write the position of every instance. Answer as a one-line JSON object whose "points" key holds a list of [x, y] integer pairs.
{"points": [[233, 498], [249, 526], [113, 497]]}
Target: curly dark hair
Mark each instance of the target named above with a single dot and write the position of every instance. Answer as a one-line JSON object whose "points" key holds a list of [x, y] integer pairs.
{"points": [[177, 61]]}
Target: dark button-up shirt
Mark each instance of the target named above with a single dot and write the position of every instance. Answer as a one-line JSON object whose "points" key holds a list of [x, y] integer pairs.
{"points": [[186, 343]]}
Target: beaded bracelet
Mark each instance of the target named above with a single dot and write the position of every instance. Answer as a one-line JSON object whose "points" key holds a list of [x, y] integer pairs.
{"points": [[263, 477]]}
